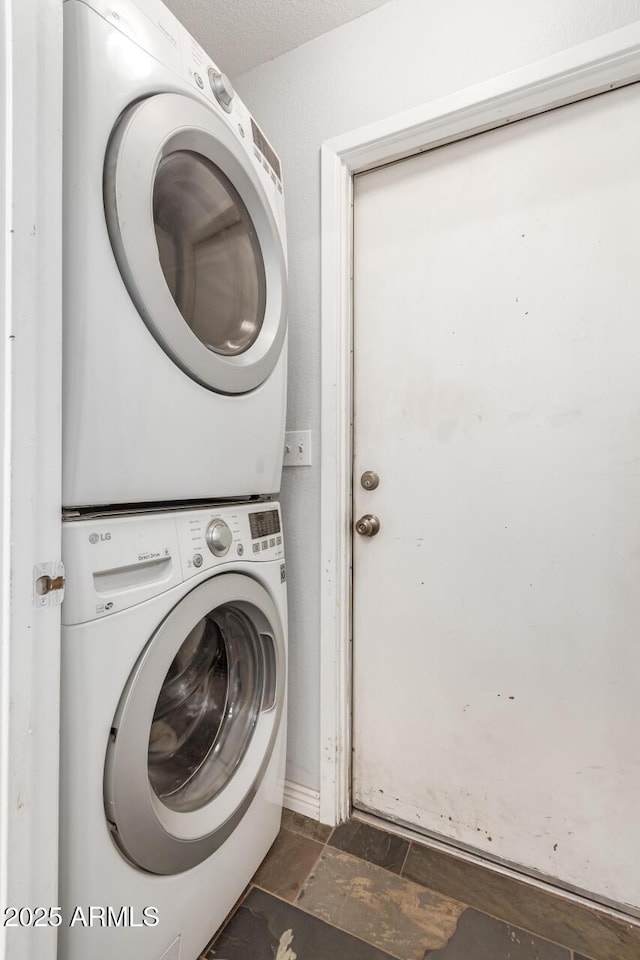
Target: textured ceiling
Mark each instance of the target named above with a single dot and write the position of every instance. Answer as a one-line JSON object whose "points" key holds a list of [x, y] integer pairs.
{"points": [[240, 34]]}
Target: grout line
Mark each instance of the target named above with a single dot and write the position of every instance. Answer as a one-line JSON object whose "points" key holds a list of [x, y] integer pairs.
{"points": [[506, 923], [570, 950], [596, 910], [509, 871], [271, 893], [239, 902], [306, 836], [406, 857], [297, 905], [469, 906], [334, 926], [311, 869], [308, 913]]}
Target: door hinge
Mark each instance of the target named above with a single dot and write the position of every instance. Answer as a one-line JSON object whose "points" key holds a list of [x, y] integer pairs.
{"points": [[48, 584]]}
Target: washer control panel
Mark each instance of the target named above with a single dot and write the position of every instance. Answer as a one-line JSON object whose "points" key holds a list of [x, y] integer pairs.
{"points": [[115, 562], [248, 531]]}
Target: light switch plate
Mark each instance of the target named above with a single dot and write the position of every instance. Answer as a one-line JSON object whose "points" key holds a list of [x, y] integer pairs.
{"points": [[297, 448]]}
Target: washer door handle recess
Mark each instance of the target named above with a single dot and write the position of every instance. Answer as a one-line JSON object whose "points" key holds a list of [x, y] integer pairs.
{"points": [[368, 525]]}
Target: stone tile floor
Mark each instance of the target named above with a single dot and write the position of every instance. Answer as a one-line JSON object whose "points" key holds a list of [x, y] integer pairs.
{"points": [[360, 893]]}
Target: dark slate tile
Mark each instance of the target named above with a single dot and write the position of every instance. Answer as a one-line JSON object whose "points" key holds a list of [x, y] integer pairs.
{"points": [[265, 928], [298, 823], [287, 865], [387, 911], [479, 937], [588, 931], [368, 843]]}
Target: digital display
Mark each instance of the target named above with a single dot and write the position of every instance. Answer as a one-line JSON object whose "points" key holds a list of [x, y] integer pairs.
{"points": [[263, 145], [264, 524]]}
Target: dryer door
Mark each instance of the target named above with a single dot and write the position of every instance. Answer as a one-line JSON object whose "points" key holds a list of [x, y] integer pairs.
{"points": [[196, 241], [196, 725]]}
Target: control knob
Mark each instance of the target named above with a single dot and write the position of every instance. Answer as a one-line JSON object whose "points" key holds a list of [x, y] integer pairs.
{"points": [[218, 537], [221, 88]]}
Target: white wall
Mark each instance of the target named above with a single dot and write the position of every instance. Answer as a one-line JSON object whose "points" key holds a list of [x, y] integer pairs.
{"points": [[397, 57]]}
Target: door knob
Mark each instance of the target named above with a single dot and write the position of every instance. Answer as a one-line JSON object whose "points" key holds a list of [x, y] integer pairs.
{"points": [[368, 525]]}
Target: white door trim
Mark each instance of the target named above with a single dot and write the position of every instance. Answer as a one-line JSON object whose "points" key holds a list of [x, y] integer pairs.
{"points": [[610, 61], [30, 378]]}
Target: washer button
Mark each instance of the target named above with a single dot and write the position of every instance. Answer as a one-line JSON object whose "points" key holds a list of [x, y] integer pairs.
{"points": [[218, 537], [197, 560], [221, 89], [239, 549]]}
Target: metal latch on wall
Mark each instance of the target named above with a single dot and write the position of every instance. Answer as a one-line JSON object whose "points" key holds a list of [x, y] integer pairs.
{"points": [[48, 584]]}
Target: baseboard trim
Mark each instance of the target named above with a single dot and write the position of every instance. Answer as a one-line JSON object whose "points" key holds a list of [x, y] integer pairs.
{"points": [[302, 799]]}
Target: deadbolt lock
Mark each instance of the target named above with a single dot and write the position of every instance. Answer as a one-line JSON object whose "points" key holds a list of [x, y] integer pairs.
{"points": [[368, 525], [370, 480]]}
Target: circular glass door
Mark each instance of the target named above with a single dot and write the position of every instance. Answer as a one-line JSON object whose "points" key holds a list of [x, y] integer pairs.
{"points": [[209, 252], [196, 241], [196, 726], [207, 709]]}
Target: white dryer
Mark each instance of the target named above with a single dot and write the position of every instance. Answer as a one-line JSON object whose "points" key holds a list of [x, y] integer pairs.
{"points": [[174, 652], [174, 379]]}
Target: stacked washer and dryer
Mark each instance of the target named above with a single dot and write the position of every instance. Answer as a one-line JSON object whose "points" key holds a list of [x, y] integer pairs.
{"points": [[174, 620]]}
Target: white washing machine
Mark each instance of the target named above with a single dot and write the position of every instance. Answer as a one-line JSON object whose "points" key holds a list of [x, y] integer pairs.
{"points": [[174, 651], [174, 380]]}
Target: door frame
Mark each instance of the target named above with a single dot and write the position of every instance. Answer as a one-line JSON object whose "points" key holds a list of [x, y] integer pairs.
{"points": [[30, 426], [599, 65]]}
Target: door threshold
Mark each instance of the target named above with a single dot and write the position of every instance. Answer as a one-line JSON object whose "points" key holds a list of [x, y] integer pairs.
{"points": [[618, 912]]}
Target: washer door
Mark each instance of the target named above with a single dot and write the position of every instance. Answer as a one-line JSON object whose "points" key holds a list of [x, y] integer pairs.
{"points": [[196, 725], [196, 241]]}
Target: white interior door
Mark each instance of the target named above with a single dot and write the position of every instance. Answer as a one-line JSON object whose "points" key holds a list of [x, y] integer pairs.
{"points": [[497, 395]]}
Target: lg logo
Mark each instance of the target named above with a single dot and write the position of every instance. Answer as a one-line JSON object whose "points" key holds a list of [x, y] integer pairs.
{"points": [[97, 537]]}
